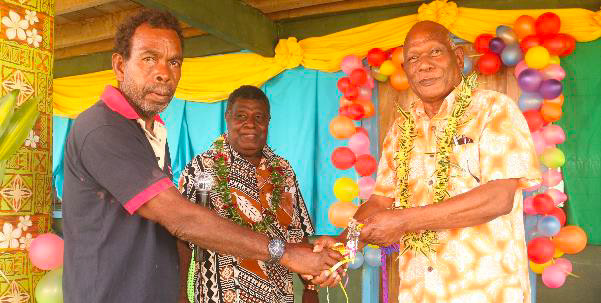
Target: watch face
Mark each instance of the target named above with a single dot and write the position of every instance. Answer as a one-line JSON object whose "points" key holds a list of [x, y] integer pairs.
{"points": [[276, 250]]}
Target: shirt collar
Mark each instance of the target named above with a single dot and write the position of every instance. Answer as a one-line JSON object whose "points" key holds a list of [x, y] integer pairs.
{"points": [[114, 99], [445, 107]]}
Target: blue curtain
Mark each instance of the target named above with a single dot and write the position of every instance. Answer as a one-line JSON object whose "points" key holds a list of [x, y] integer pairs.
{"points": [[303, 102]]}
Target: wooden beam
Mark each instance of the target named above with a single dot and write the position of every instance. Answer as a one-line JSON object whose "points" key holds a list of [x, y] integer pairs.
{"points": [[69, 6], [336, 7], [270, 6], [230, 20]]}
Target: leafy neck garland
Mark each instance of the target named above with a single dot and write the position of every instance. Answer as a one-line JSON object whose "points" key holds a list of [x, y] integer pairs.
{"points": [[425, 241]]}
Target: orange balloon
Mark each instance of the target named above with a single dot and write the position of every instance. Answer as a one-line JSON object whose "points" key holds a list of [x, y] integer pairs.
{"points": [[570, 239], [344, 101], [340, 213], [559, 100], [524, 26], [398, 80], [397, 56], [368, 107], [342, 127], [551, 112]]}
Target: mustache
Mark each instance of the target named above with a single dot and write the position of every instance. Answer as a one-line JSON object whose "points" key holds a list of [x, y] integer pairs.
{"points": [[159, 89]]}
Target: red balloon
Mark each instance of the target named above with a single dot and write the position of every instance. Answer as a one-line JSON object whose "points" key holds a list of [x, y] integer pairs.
{"points": [[559, 214], [481, 43], [530, 41], [344, 84], [543, 204], [356, 111], [366, 165], [358, 76], [534, 119], [489, 63], [555, 44], [547, 24], [352, 92], [569, 42], [362, 130], [540, 250], [376, 56], [343, 158]]}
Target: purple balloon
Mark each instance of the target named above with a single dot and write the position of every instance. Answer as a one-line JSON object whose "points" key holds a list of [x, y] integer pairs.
{"points": [[550, 89], [496, 45], [530, 80]]}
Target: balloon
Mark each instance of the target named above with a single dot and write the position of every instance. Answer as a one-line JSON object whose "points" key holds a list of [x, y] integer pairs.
{"points": [[507, 34], [565, 264], [387, 68], [356, 264], [550, 88], [534, 119], [370, 81], [547, 24], [558, 253], [569, 42], [553, 134], [557, 195], [529, 80], [571, 239], [548, 226], [345, 189], [481, 43], [530, 101], [551, 112], [345, 102], [489, 63], [340, 212], [468, 65], [366, 165], [532, 234], [352, 92], [362, 131], [511, 55], [379, 77], [364, 93], [538, 268], [353, 111], [537, 57], [532, 188], [342, 127], [559, 100], [358, 76], [529, 207], [559, 214], [368, 107], [397, 56], [398, 80], [539, 142], [524, 26], [343, 158], [554, 276], [554, 60], [358, 143], [350, 63], [46, 251], [530, 42], [540, 250], [343, 84], [543, 204], [366, 187], [530, 221], [551, 177], [496, 45], [554, 71], [373, 257], [555, 44], [519, 68], [376, 56], [553, 157], [50, 287]]}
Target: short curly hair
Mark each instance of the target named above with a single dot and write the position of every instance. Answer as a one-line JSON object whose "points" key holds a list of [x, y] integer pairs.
{"points": [[154, 18], [248, 92]]}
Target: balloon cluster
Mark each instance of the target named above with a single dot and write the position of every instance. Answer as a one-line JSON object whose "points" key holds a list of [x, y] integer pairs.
{"points": [[46, 253], [388, 65], [371, 256], [355, 104]]}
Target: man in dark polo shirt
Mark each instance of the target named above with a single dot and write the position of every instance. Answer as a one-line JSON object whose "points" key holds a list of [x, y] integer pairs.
{"points": [[122, 214]]}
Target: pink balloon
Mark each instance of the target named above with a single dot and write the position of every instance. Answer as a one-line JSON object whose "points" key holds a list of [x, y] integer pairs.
{"points": [[359, 144], [528, 207], [554, 71], [557, 195], [554, 276], [539, 142], [532, 188], [551, 177], [521, 66], [364, 93], [366, 187], [565, 264], [46, 251], [553, 134], [350, 63], [370, 81]]}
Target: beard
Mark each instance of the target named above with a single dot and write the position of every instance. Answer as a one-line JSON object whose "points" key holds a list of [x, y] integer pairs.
{"points": [[135, 96]]}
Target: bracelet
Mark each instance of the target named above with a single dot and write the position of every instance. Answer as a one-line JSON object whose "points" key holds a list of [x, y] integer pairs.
{"points": [[310, 287]]}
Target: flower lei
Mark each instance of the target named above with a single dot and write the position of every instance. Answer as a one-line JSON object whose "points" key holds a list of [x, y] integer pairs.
{"points": [[424, 241], [222, 171]]}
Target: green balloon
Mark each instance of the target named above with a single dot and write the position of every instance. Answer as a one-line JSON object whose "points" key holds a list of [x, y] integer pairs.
{"points": [[553, 158], [50, 287]]}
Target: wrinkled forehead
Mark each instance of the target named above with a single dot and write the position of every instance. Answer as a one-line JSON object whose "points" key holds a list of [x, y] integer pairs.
{"points": [[420, 36]]}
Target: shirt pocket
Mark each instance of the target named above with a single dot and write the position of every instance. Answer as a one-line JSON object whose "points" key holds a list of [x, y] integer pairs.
{"points": [[464, 168]]}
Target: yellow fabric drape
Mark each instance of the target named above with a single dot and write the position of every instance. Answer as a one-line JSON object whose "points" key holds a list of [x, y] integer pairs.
{"points": [[211, 79]]}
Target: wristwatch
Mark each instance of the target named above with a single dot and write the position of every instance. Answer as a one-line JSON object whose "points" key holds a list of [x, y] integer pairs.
{"points": [[276, 248]]}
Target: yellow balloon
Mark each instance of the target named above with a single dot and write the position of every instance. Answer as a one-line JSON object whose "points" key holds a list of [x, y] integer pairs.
{"points": [[558, 253], [554, 60], [538, 268], [537, 57], [346, 189], [387, 68]]}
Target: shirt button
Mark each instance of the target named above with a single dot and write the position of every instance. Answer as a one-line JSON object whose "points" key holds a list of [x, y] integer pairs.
{"points": [[430, 182], [432, 155], [433, 128], [430, 269]]}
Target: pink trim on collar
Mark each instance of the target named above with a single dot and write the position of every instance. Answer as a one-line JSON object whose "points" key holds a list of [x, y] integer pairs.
{"points": [[114, 99]]}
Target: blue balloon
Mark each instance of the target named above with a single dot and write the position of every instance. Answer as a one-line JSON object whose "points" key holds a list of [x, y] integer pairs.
{"points": [[530, 101], [532, 234], [530, 222], [548, 226], [373, 257], [468, 65], [358, 261], [511, 55]]}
